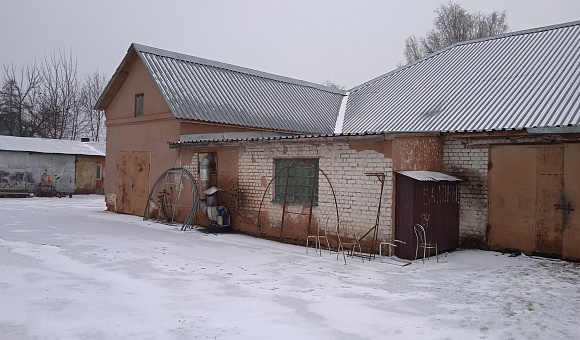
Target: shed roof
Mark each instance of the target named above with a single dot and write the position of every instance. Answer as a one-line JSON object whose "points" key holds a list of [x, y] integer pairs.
{"points": [[206, 90], [188, 140], [49, 146], [99, 146], [518, 80], [429, 176]]}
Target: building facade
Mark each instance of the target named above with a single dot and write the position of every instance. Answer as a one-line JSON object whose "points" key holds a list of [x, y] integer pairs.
{"points": [[72, 166], [500, 114]]}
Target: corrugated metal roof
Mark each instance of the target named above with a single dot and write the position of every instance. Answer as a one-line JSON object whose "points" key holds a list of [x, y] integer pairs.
{"points": [[50, 146], [206, 90], [513, 81], [429, 176], [99, 146]]}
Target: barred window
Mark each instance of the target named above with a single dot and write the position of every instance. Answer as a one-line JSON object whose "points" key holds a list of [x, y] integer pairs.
{"points": [[301, 175]]}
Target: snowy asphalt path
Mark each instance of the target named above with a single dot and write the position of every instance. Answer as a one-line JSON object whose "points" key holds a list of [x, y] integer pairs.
{"points": [[70, 270]]}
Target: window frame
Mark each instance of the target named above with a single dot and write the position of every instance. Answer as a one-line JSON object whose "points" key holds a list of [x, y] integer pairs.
{"points": [[303, 174], [99, 171], [139, 104]]}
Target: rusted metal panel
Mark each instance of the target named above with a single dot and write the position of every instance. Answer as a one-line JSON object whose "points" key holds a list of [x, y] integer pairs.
{"points": [[549, 188], [512, 197], [404, 199], [418, 153], [434, 205], [86, 175], [533, 191], [141, 182], [132, 182], [571, 200], [124, 182]]}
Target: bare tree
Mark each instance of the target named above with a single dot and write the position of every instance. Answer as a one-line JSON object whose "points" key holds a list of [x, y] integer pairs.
{"points": [[9, 108], [412, 49], [19, 100], [59, 103], [49, 100], [454, 24], [93, 86], [331, 84]]}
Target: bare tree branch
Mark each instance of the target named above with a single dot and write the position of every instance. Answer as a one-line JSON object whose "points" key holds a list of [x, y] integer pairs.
{"points": [[18, 101], [454, 24], [412, 48], [331, 84], [49, 100], [59, 96], [93, 86]]}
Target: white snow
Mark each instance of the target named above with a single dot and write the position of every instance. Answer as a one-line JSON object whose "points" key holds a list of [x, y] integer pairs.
{"points": [[46, 145], [429, 176], [340, 118], [69, 270]]}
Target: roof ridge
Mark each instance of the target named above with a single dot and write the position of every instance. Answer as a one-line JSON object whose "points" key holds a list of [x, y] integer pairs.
{"points": [[468, 42], [235, 68]]}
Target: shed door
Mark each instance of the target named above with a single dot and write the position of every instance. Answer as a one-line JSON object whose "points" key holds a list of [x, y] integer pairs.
{"points": [[529, 191], [132, 182], [434, 205], [86, 174]]}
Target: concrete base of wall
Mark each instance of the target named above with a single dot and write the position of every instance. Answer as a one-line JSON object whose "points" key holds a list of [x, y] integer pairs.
{"points": [[473, 242], [111, 200]]}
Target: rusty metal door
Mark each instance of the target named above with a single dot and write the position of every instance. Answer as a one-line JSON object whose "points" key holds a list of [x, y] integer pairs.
{"points": [[124, 182], [549, 188], [132, 182], [512, 197], [531, 192], [570, 205], [86, 175]]}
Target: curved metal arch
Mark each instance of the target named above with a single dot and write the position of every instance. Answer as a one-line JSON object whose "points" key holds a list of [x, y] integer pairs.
{"points": [[195, 195], [317, 168]]}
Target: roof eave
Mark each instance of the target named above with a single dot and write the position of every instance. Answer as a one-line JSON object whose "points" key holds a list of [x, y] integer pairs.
{"points": [[117, 79]]}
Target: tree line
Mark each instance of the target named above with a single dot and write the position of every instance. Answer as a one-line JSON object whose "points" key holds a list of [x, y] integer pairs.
{"points": [[48, 99], [454, 24]]}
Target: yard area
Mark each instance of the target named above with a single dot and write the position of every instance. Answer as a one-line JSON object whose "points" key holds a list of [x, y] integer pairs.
{"points": [[70, 270]]}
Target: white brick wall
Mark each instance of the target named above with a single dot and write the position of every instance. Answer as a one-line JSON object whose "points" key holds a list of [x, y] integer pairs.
{"points": [[469, 164], [357, 194], [193, 165]]}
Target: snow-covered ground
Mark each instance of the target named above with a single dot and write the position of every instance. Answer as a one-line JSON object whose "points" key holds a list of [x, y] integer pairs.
{"points": [[69, 270]]}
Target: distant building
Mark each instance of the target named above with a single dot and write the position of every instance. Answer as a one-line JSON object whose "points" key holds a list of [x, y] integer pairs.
{"points": [[73, 166]]}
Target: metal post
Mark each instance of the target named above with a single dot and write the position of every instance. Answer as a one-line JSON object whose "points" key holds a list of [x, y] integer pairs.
{"points": [[284, 204], [315, 169]]}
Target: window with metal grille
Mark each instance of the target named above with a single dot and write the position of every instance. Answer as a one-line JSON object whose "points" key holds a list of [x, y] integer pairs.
{"points": [[139, 105], [299, 175]]}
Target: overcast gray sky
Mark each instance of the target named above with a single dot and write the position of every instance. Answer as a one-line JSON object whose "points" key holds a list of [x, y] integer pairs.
{"points": [[346, 41]]}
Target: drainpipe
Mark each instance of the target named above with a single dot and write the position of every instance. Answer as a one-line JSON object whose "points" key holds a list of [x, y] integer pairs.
{"points": [[204, 179]]}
